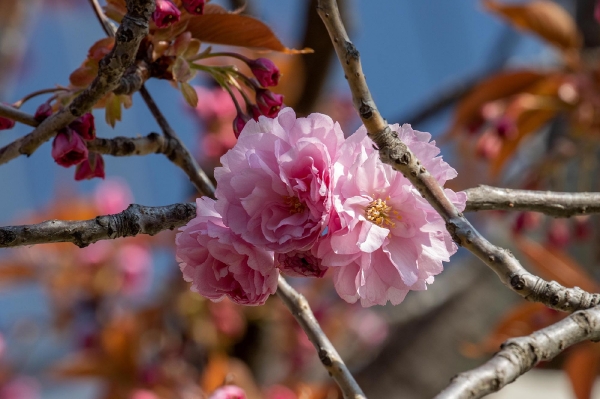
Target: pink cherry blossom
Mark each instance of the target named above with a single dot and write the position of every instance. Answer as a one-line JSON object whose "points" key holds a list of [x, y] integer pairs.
{"points": [[384, 238], [135, 264], [274, 188], [112, 196], [220, 263], [228, 392]]}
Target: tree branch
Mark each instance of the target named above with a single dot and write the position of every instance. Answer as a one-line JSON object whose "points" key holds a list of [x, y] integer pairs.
{"points": [[17, 115], [332, 361], [564, 205], [136, 219], [180, 154], [395, 153], [133, 28], [519, 355]]}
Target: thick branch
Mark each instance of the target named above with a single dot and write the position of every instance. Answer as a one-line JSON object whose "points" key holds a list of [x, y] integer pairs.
{"points": [[137, 219], [485, 198], [134, 78], [519, 355], [395, 153], [327, 353], [133, 28], [17, 115]]}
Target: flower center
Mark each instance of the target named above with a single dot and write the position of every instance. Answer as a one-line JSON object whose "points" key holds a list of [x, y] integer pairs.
{"points": [[380, 213], [295, 205]]}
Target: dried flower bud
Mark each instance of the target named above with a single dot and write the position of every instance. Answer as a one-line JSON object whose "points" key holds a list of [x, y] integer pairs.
{"points": [[84, 126], [195, 7], [43, 112], [268, 102], [68, 148], [265, 71], [254, 111], [92, 167], [165, 14]]}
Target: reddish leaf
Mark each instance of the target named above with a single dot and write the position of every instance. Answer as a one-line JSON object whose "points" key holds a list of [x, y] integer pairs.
{"points": [[554, 264], [582, 366], [498, 86], [237, 30], [530, 111], [101, 48], [544, 18], [85, 74]]}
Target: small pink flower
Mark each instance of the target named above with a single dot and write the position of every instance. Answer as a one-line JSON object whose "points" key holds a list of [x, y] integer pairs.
{"points": [[219, 263], [214, 104], [143, 394], [301, 263], [384, 239], [90, 168], [84, 126], [43, 112], [274, 187], [238, 123], [165, 14], [228, 392], [68, 148], [268, 102], [112, 196], [254, 111], [195, 7], [135, 264], [265, 71]]}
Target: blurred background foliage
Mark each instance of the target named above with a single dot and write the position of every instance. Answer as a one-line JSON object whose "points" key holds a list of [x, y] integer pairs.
{"points": [[510, 89]]}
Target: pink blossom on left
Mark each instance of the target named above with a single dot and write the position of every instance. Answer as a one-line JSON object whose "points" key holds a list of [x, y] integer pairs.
{"points": [[220, 263]]}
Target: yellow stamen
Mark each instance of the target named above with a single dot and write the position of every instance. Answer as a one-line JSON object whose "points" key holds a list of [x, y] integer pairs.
{"points": [[380, 213], [295, 205]]}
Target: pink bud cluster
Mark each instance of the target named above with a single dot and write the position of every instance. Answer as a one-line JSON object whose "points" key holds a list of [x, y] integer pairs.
{"points": [[267, 103], [69, 146], [167, 13], [295, 196]]}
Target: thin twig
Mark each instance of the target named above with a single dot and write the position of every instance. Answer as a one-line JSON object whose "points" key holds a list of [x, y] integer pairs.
{"points": [[180, 155], [36, 93], [564, 205], [327, 353], [137, 219], [133, 28], [395, 153], [17, 115], [519, 355], [107, 26]]}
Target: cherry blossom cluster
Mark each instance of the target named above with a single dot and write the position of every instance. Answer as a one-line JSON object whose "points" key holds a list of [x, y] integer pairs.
{"points": [[294, 196]]}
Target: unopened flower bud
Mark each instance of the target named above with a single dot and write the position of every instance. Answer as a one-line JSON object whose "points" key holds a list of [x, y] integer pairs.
{"points": [[195, 7], [43, 112], [265, 71], [165, 14], [239, 122], [268, 103], [90, 168], [84, 126], [68, 148], [6, 123]]}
